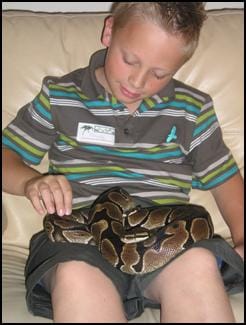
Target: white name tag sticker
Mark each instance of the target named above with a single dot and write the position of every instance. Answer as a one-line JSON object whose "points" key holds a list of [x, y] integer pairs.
{"points": [[95, 133]]}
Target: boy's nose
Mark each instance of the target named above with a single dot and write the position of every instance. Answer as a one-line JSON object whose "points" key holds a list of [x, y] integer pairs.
{"points": [[137, 80]]}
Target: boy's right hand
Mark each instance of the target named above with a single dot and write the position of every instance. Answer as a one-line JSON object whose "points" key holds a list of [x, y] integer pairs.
{"points": [[50, 193]]}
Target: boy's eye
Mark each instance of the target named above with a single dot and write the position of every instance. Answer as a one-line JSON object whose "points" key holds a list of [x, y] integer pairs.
{"points": [[160, 77], [128, 61]]}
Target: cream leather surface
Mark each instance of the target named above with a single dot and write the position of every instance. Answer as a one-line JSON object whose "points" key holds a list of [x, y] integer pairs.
{"points": [[40, 44]]}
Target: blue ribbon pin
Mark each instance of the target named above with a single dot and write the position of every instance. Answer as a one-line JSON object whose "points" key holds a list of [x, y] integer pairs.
{"points": [[172, 135]]}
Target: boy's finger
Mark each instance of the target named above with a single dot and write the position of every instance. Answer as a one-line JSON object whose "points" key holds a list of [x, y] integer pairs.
{"points": [[38, 203], [58, 198], [46, 196], [67, 195]]}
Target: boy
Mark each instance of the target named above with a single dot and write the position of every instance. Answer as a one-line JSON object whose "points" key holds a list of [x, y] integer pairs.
{"points": [[156, 138]]}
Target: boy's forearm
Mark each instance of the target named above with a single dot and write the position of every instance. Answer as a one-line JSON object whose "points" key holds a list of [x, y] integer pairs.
{"points": [[229, 198], [15, 173]]}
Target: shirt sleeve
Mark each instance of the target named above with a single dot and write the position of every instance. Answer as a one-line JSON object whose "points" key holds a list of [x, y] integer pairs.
{"points": [[32, 131], [213, 162]]}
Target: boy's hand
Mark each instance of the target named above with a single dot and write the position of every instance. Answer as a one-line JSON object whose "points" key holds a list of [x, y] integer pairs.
{"points": [[240, 250], [50, 193]]}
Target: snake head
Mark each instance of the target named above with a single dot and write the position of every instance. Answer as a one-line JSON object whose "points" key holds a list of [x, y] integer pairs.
{"points": [[122, 199]]}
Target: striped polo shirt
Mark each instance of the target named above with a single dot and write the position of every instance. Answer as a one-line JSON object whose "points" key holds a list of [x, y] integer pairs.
{"points": [[172, 143]]}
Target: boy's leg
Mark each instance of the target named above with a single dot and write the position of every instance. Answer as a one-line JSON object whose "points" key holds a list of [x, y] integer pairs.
{"points": [[82, 293], [190, 289]]}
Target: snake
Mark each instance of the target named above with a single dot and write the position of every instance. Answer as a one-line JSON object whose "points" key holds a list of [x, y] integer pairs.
{"points": [[132, 238]]}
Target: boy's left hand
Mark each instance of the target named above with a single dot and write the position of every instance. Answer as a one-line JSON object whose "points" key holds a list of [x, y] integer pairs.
{"points": [[240, 250], [230, 200]]}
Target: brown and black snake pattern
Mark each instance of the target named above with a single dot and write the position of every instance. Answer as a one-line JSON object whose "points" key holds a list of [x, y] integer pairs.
{"points": [[134, 239]]}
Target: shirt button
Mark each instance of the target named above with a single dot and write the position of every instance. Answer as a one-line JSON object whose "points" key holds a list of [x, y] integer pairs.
{"points": [[126, 131]]}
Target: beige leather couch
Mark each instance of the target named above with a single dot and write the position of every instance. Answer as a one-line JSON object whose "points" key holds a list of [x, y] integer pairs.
{"points": [[39, 44]]}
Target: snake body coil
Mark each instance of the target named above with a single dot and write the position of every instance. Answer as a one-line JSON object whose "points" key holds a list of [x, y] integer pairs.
{"points": [[132, 238]]}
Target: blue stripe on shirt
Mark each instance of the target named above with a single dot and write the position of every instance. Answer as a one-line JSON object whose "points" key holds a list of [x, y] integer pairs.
{"points": [[23, 153]]}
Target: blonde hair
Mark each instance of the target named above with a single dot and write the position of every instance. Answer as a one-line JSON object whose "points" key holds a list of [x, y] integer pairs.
{"points": [[183, 19]]}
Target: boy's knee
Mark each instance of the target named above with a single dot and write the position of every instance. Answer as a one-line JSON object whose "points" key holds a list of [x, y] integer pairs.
{"points": [[195, 263], [70, 273], [192, 264], [73, 269], [199, 258]]}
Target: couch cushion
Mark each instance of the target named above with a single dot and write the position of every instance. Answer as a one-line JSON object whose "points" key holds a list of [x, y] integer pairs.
{"points": [[40, 44]]}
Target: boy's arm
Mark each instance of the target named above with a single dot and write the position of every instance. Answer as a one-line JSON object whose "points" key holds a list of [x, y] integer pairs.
{"points": [[229, 198], [46, 192], [15, 173]]}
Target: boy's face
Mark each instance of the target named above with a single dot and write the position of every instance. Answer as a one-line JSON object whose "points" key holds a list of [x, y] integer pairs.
{"points": [[140, 61]]}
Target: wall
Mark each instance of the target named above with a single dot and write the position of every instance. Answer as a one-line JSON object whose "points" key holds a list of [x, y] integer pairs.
{"points": [[92, 6]]}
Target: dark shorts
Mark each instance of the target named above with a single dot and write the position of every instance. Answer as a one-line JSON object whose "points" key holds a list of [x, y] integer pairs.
{"points": [[45, 254]]}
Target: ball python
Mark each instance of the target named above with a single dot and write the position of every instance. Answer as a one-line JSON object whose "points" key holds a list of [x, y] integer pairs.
{"points": [[134, 239]]}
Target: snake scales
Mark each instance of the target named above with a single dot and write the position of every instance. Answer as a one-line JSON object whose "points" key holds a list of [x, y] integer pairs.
{"points": [[134, 239]]}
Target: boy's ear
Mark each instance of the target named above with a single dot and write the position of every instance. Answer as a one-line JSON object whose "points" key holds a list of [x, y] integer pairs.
{"points": [[107, 31]]}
